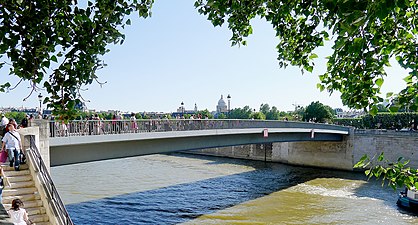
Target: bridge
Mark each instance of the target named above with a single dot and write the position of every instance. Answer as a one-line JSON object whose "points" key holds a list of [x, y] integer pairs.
{"points": [[319, 145], [86, 141]]}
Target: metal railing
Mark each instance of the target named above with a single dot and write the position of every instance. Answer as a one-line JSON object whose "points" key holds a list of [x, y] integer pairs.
{"points": [[47, 184], [107, 127]]}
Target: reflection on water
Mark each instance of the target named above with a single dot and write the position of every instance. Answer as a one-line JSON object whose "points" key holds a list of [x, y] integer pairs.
{"points": [[189, 189]]}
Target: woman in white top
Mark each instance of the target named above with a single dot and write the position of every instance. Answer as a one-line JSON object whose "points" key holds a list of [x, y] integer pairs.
{"points": [[18, 215]]}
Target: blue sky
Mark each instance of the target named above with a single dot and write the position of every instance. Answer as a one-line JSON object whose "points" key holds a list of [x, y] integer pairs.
{"points": [[178, 56]]}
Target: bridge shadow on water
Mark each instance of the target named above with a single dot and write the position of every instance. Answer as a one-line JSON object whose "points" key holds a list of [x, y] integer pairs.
{"points": [[184, 202]]}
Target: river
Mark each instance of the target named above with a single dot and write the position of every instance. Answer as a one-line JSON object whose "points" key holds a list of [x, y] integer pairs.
{"points": [[193, 189]]}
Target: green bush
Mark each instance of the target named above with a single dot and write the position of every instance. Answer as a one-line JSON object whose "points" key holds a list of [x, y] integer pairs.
{"points": [[388, 121]]}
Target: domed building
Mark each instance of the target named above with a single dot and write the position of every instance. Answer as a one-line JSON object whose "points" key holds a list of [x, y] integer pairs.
{"points": [[221, 107]]}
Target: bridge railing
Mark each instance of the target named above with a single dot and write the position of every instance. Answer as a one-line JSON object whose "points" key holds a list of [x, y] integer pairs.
{"points": [[52, 195], [108, 127]]}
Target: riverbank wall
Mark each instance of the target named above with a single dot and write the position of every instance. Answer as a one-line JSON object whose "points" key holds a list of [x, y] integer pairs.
{"points": [[336, 155]]}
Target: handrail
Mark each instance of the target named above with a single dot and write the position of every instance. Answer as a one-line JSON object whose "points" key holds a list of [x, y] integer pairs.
{"points": [[51, 192], [109, 127]]}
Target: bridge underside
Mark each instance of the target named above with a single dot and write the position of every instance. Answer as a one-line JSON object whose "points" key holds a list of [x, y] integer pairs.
{"points": [[72, 150]]}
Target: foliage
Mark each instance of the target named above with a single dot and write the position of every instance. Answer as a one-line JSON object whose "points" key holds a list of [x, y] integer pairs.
{"points": [[298, 114], [390, 121], [17, 116], [205, 113], [258, 116], [138, 116], [382, 108], [221, 116], [57, 44], [238, 113], [352, 122], [364, 35], [146, 116], [318, 112], [270, 114], [393, 174]]}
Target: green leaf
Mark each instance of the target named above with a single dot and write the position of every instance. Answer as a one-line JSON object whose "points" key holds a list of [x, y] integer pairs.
{"points": [[320, 87], [373, 110], [408, 79], [54, 58], [393, 108], [379, 82], [381, 157], [128, 22], [360, 163], [313, 56]]}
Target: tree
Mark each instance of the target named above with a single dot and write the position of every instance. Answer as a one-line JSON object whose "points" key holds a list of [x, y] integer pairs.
{"points": [[270, 114], [365, 35], [238, 113], [382, 108], [299, 113], [17, 116], [221, 116], [205, 113], [258, 116], [57, 44], [264, 108], [318, 112]]}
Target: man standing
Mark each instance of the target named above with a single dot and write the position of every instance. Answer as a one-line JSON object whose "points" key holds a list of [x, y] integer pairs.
{"points": [[13, 145]]}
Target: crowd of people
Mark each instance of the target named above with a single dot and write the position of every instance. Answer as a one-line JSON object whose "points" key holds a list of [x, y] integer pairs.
{"points": [[12, 147]]}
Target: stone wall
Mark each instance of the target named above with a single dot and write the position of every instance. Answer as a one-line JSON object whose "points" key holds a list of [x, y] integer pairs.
{"points": [[393, 144], [338, 155]]}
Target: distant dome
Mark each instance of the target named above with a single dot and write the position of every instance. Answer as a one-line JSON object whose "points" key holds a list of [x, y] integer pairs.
{"points": [[221, 101]]}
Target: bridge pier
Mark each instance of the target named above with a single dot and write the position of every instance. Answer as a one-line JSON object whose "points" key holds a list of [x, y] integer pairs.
{"points": [[335, 155], [324, 154]]}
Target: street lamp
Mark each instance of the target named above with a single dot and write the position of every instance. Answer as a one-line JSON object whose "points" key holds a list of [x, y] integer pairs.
{"points": [[182, 108], [229, 105], [40, 103]]}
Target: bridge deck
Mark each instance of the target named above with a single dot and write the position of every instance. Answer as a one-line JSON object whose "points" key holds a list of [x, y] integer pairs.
{"points": [[77, 149]]}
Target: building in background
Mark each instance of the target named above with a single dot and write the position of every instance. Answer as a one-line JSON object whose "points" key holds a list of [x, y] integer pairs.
{"points": [[221, 107]]}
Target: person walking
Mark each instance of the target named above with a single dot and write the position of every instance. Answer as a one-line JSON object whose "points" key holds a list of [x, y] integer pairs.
{"points": [[13, 145], [18, 215], [4, 122]]}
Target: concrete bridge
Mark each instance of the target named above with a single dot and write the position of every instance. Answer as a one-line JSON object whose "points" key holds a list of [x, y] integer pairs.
{"points": [[308, 144], [86, 141]]}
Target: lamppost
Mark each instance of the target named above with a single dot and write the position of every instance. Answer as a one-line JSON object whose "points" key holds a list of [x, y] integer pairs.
{"points": [[182, 109], [229, 105], [40, 103]]}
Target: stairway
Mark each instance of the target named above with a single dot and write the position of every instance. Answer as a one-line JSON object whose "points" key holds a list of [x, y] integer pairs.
{"points": [[22, 186]]}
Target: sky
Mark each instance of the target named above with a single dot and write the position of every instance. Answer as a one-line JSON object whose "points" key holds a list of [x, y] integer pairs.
{"points": [[177, 56]]}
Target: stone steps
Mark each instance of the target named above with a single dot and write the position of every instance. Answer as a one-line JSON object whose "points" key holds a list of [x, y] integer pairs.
{"points": [[19, 184], [19, 191], [30, 204]]}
